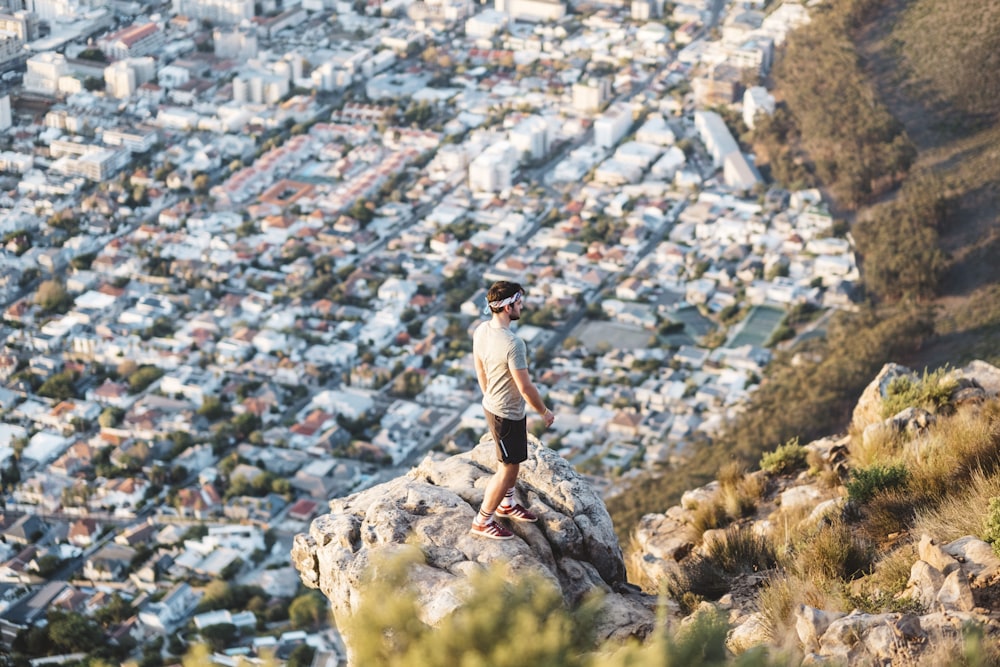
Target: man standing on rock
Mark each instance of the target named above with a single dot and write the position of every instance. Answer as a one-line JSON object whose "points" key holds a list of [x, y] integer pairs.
{"points": [[501, 360]]}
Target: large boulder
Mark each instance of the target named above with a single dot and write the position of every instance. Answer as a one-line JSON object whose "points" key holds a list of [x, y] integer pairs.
{"points": [[869, 407], [431, 509]]}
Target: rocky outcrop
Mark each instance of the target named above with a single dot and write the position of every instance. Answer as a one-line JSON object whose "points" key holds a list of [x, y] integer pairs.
{"points": [[950, 584], [944, 581], [431, 508], [574, 545]]}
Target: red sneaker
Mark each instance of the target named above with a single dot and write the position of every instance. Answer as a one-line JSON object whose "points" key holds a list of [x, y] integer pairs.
{"points": [[517, 513], [492, 530]]}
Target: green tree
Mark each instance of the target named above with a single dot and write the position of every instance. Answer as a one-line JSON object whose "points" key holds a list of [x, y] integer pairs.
{"points": [[212, 408], [59, 386], [52, 296], [143, 376], [110, 417], [308, 610], [70, 632]]}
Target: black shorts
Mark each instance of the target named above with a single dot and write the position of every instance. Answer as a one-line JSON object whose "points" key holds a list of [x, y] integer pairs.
{"points": [[510, 436]]}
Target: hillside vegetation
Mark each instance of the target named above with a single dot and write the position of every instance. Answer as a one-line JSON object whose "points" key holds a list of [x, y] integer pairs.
{"points": [[873, 111]]}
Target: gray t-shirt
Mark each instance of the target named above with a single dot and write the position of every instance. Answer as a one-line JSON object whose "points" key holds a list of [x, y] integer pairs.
{"points": [[501, 352]]}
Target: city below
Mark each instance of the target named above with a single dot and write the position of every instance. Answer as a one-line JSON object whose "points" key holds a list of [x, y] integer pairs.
{"points": [[245, 245]]}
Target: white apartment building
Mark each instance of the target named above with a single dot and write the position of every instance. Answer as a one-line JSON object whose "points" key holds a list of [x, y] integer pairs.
{"points": [[11, 47], [534, 11], [172, 76], [612, 125], [486, 23], [122, 78], [643, 10], [225, 12], [258, 87], [590, 95], [531, 137], [44, 72], [138, 140], [656, 131], [715, 135], [235, 43], [6, 118], [53, 10], [17, 162], [22, 24], [494, 169], [756, 100], [96, 166], [133, 42]]}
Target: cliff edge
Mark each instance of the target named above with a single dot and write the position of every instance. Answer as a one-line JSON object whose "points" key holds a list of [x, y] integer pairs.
{"points": [[573, 544]]}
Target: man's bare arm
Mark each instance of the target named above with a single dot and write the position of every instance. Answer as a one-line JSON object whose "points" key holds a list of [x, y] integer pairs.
{"points": [[530, 393], [480, 374]]}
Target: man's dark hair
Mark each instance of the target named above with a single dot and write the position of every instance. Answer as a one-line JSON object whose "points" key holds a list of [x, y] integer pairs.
{"points": [[500, 290]]}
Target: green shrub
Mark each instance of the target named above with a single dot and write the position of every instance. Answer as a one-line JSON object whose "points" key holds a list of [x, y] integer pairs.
{"points": [[786, 458], [833, 553], [742, 550], [932, 392], [991, 524], [866, 482], [698, 578]]}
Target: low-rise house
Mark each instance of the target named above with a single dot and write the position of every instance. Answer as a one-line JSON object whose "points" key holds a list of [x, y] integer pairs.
{"points": [[200, 503], [83, 532], [137, 534], [173, 610], [327, 478], [115, 394], [123, 493], [109, 563], [27, 529], [15, 569], [78, 457], [259, 511]]}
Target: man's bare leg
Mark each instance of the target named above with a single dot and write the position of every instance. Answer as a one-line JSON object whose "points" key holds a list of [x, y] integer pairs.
{"points": [[503, 479]]}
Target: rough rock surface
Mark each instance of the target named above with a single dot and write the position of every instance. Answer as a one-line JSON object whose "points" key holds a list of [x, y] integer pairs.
{"points": [[869, 407], [431, 508]]}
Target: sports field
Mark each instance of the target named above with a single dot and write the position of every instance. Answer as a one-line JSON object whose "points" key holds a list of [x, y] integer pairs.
{"points": [[758, 326]]}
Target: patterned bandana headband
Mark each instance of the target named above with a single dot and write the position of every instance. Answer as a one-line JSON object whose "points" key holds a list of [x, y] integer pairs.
{"points": [[497, 305]]}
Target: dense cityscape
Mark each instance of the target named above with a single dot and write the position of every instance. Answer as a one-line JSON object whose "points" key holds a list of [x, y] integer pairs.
{"points": [[244, 245]]}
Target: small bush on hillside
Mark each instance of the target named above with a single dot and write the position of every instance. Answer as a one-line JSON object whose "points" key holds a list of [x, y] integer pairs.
{"points": [[866, 482], [699, 578], [700, 643], [881, 591], [709, 515], [741, 550], [786, 458], [496, 615], [833, 552], [932, 392], [991, 524], [739, 493], [782, 594]]}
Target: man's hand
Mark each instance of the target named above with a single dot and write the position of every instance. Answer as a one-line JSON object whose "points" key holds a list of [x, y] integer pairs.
{"points": [[549, 417]]}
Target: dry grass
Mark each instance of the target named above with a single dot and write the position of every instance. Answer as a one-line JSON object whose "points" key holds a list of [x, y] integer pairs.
{"points": [[879, 592], [960, 513], [741, 549], [782, 594], [954, 448], [832, 551], [738, 495], [883, 446], [788, 526], [708, 515]]}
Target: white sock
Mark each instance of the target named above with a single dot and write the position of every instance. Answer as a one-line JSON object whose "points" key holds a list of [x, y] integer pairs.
{"points": [[508, 498], [483, 517]]}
